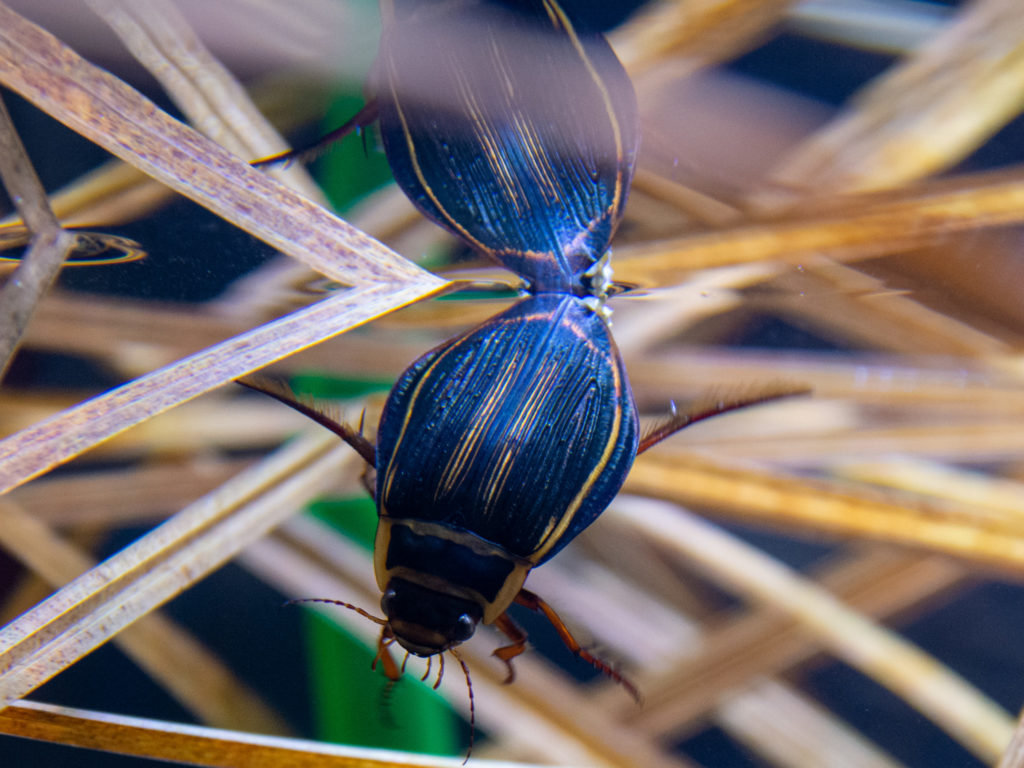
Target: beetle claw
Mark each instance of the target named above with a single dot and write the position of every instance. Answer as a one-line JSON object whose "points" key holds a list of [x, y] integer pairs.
{"points": [[534, 602], [506, 653], [511, 676]]}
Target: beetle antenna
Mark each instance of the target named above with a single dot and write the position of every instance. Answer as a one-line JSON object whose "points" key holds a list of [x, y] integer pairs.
{"points": [[472, 704], [405, 660], [356, 608]]}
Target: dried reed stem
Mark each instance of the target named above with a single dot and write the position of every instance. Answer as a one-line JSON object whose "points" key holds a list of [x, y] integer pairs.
{"points": [[770, 497], [935, 690], [791, 731], [161, 648], [926, 112], [207, 747], [867, 227], [122, 121], [50, 244], [215, 103], [45, 445], [697, 33], [103, 601]]}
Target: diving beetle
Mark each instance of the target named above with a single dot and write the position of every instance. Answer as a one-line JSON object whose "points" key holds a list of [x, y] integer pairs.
{"points": [[498, 447]]}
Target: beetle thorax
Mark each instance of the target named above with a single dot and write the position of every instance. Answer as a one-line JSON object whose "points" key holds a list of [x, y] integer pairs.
{"points": [[452, 567]]}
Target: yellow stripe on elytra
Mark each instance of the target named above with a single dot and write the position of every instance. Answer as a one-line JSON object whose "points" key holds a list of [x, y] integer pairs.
{"points": [[544, 173], [491, 144], [418, 170], [424, 377], [469, 446], [539, 394], [525, 129], [558, 17], [554, 533]]}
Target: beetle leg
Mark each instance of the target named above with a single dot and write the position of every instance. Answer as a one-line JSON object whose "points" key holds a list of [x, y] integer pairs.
{"points": [[506, 653], [391, 669], [318, 148], [706, 408], [426, 672], [369, 476], [536, 603], [440, 671], [315, 411]]}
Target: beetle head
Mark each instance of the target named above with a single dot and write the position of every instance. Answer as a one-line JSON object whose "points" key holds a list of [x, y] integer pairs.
{"points": [[426, 622]]}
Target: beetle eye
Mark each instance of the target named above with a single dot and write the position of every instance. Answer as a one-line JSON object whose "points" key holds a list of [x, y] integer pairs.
{"points": [[463, 628], [387, 601]]}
